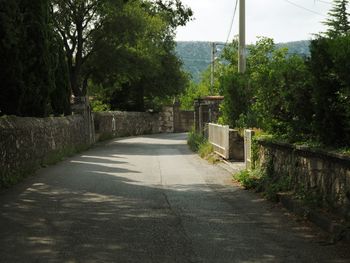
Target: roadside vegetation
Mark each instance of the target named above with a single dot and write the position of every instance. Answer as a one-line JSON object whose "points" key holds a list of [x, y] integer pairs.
{"points": [[200, 144], [288, 98], [296, 99]]}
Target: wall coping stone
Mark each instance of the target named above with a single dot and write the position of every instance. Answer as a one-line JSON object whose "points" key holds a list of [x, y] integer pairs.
{"points": [[308, 151]]}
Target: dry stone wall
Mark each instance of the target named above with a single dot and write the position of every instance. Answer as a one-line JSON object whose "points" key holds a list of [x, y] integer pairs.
{"points": [[321, 175], [183, 120], [121, 124], [27, 143], [166, 120]]}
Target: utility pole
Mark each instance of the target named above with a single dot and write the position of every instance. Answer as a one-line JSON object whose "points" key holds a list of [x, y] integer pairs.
{"points": [[242, 64], [213, 51]]}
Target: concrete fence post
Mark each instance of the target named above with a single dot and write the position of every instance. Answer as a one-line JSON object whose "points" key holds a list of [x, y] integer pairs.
{"points": [[248, 139]]}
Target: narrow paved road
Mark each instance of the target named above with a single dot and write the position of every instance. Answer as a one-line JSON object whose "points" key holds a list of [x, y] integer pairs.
{"points": [[148, 199]]}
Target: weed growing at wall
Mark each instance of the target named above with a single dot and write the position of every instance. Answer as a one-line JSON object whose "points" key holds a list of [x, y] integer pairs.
{"points": [[264, 179], [249, 179], [198, 143], [59, 155], [195, 140], [9, 179]]}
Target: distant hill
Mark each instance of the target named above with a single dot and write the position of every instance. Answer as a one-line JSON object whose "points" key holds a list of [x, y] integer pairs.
{"points": [[297, 47], [196, 55]]}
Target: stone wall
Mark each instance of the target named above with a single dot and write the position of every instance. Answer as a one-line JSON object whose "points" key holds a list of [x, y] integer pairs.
{"points": [[121, 124], [183, 120], [166, 120], [27, 143], [321, 175]]}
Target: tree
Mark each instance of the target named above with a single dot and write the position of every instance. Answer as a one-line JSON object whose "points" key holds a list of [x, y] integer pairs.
{"points": [[338, 21], [25, 43], [38, 72], [123, 47], [61, 92], [233, 86], [11, 71], [77, 21], [134, 63]]}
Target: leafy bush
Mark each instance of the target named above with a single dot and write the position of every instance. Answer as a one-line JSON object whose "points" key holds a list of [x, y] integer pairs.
{"points": [[195, 140], [248, 179], [198, 143], [98, 105], [263, 179], [205, 149], [296, 99], [330, 97]]}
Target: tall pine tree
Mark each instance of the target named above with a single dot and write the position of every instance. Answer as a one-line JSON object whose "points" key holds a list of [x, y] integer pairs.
{"points": [[338, 21]]}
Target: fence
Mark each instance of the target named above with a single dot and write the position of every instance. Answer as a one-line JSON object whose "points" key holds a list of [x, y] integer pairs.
{"points": [[248, 137], [219, 138]]}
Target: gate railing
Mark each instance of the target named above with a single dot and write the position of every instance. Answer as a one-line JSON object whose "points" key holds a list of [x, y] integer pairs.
{"points": [[219, 138]]}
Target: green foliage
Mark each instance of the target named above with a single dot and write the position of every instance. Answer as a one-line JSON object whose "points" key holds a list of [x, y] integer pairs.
{"points": [[195, 140], [193, 91], [26, 58], [248, 179], [11, 42], [264, 180], [338, 21], [311, 197], [52, 48], [205, 149], [331, 98], [196, 55], [202, 89], [98, 106], [61, 92], [294, 98], [200, 144], [271, 95], [34, 79], [134, 60], [301, 48]]}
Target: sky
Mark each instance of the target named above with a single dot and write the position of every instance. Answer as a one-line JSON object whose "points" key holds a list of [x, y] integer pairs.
{"points": [[278, 19]]}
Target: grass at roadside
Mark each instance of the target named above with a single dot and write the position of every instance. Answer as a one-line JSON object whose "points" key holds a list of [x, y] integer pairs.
{"points": [[262, 180], [199, 144]]}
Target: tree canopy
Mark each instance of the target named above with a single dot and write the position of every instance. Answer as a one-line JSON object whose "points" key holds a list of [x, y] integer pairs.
{"points": [[338, 20], [118, 51]]}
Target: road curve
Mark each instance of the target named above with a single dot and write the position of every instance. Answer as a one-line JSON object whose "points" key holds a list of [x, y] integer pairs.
{"points": [[148, 199]]}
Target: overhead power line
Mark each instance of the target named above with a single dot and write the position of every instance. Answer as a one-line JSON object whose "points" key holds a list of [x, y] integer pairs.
{"points": [[325, 2], [232, 22], [196, 59], [304, 8]]}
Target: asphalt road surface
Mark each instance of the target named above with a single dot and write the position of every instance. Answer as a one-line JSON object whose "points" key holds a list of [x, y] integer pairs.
{"points": [[149, 199]]}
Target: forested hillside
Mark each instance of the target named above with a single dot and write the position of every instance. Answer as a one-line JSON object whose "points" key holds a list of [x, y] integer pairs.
{"points": [[197, 55]]}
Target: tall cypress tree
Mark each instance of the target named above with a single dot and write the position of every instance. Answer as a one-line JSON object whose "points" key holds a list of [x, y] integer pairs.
{"points": [[38, 75], [11, 67], [61, 92], [338, 21], [26, 74]]}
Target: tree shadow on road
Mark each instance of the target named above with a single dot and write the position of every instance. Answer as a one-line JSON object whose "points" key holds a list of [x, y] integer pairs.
{"points": [[98, 217]]}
